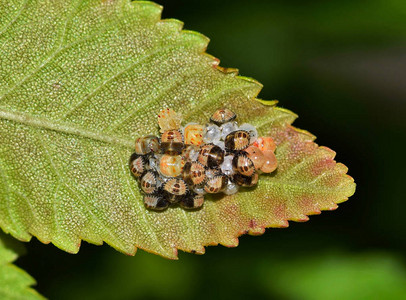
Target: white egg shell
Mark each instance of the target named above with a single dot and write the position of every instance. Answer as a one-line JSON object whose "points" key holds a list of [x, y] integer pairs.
{"points": [[199, 190], [227, 165], [231, 188], [211, 133]]}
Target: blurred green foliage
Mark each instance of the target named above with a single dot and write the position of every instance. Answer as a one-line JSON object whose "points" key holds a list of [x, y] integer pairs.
{"points": [[334, 275], [341, 66]]}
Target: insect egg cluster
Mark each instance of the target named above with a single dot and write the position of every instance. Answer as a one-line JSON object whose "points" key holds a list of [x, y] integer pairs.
{"points": [[185, 163]]}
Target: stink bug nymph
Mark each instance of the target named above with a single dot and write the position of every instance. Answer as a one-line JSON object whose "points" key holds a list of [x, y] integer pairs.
{"points": [[149, 182], [237, 140], [138, 165], [222, 115], [194, 173], [175, 189], [211, 156], [243, 165], [147, 144], [155, 202], [172, 142], [247, 181], [216, 184], [192, 201]]}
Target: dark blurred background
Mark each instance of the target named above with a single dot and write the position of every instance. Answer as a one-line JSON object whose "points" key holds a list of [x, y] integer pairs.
{"points": [[340, 65]]}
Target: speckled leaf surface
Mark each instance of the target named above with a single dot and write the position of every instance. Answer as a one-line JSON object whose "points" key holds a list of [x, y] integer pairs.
{"points": [[14, 282], [80, 80]]}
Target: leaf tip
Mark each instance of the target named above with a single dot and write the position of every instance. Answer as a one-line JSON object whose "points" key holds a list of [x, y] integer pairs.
{"points": [[267, 102], [152, 4], [256, 231], [197, 36]]}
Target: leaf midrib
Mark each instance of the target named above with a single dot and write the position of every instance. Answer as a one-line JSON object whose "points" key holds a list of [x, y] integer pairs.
{"points": [[68, 128]]}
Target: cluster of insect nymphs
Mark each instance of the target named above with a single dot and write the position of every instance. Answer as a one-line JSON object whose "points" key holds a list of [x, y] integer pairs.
{"points": [[187, 162]]}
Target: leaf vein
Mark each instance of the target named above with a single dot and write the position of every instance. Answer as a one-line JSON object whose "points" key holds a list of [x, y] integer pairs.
{"points": [[216, 95], [63, 127], [301, 186], [18, 14], [50, 58], [76, 193], [115, 76], [148, 101]]}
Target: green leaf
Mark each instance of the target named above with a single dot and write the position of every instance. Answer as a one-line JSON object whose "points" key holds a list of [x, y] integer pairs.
{"points": [[334, 275], [14, 282], [80, 80]]}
